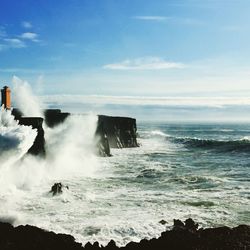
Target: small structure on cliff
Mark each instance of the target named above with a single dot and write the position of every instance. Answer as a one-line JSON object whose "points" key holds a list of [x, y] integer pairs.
{"points": [[6, 100]]}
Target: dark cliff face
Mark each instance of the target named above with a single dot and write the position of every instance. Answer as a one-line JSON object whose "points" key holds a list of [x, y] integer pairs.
{"points": [[38, 147], [120, 131], [102, 142], [183, 236], [53, 117], [111, 132]]}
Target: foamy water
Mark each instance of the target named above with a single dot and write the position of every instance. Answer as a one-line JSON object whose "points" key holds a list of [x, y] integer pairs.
{"points": [[179, 171]]}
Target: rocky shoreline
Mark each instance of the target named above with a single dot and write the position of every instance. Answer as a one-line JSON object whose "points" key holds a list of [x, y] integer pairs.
{"points": [[184, 236]]}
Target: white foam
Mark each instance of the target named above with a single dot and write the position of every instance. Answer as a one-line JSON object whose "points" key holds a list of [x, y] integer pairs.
{"points": [[158, 132], [24, 98]]}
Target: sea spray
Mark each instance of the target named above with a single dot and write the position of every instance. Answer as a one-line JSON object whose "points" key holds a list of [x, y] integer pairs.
{"points": [[24, 99], [23, 177], [70, 146], [15, 140]]}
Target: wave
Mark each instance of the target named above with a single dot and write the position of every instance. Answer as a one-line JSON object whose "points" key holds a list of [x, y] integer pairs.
{"points": [[159, 133], [241, 145]]}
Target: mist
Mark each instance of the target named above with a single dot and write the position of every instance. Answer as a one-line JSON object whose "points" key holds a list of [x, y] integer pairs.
{"points": [[69, 152]]}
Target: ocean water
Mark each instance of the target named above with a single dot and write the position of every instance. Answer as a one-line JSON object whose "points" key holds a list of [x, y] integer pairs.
{"points": [[179, 171]]}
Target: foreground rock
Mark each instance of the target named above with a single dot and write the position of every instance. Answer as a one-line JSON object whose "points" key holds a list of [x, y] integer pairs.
{"points": [[183, 236], [57, 188]]}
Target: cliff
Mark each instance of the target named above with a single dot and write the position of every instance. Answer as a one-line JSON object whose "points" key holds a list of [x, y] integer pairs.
{"points": [[120, 131], [54, 117], [182, 236], [38, 147], [111, 132]]}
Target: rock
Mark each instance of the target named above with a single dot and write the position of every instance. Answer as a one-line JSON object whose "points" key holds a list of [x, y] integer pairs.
{"points": [[38, 147], [102, 143], [57, 188], [120, 131], [30, 238], [187, 237], [178, 225], [53, 117], [163, 222], [191, 225], [111, 132], [111, 245]]}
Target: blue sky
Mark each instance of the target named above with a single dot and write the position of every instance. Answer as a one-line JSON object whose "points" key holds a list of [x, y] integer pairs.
{"points": [[127, 47]]}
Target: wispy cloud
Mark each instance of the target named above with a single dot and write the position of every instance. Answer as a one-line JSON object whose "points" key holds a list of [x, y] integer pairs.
{"points": [[144, 63], [14, 43], [26, 25], [17, 41], [147, 100], [171, 19], [30, 36], [152, 18]]}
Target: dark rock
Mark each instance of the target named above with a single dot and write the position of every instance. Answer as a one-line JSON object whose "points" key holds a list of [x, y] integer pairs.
{"points": [[111, 132], [191, 225], [178, 225], [30, 238], [163, 222], [38, 147], [53, 117], [16, 113], [115, 132], [57, 188], [185, 238], [102, 143], [111, 245]]}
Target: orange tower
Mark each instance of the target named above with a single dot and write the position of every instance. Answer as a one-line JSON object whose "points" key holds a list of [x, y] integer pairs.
{"points": [[6, 97]]}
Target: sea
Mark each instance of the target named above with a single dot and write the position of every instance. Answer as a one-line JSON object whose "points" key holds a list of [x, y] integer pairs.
{"points": [[179, 171]]}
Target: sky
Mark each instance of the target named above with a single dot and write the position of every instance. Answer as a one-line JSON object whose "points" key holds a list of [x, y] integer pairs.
{"points": [[138, 48]]}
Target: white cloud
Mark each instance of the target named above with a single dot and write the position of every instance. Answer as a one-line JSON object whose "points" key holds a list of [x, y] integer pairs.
{"points": [[30, 36], [144, 63], [146, 100], [14, 43], [27, 25], [152, 18], [172, 19]]}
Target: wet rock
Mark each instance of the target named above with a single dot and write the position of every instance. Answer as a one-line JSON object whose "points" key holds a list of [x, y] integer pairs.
{"points": [[163, 222], [187, 237], [57, 188], [38, 147], [111, 245], [54, 117], [178, 225], [191, 225], [102, 143], [121, 131], [30, 238]]}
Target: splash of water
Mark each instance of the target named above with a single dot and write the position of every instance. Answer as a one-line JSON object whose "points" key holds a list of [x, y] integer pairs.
{"points": [[15, 140], [69, 147], [24, 98]]}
